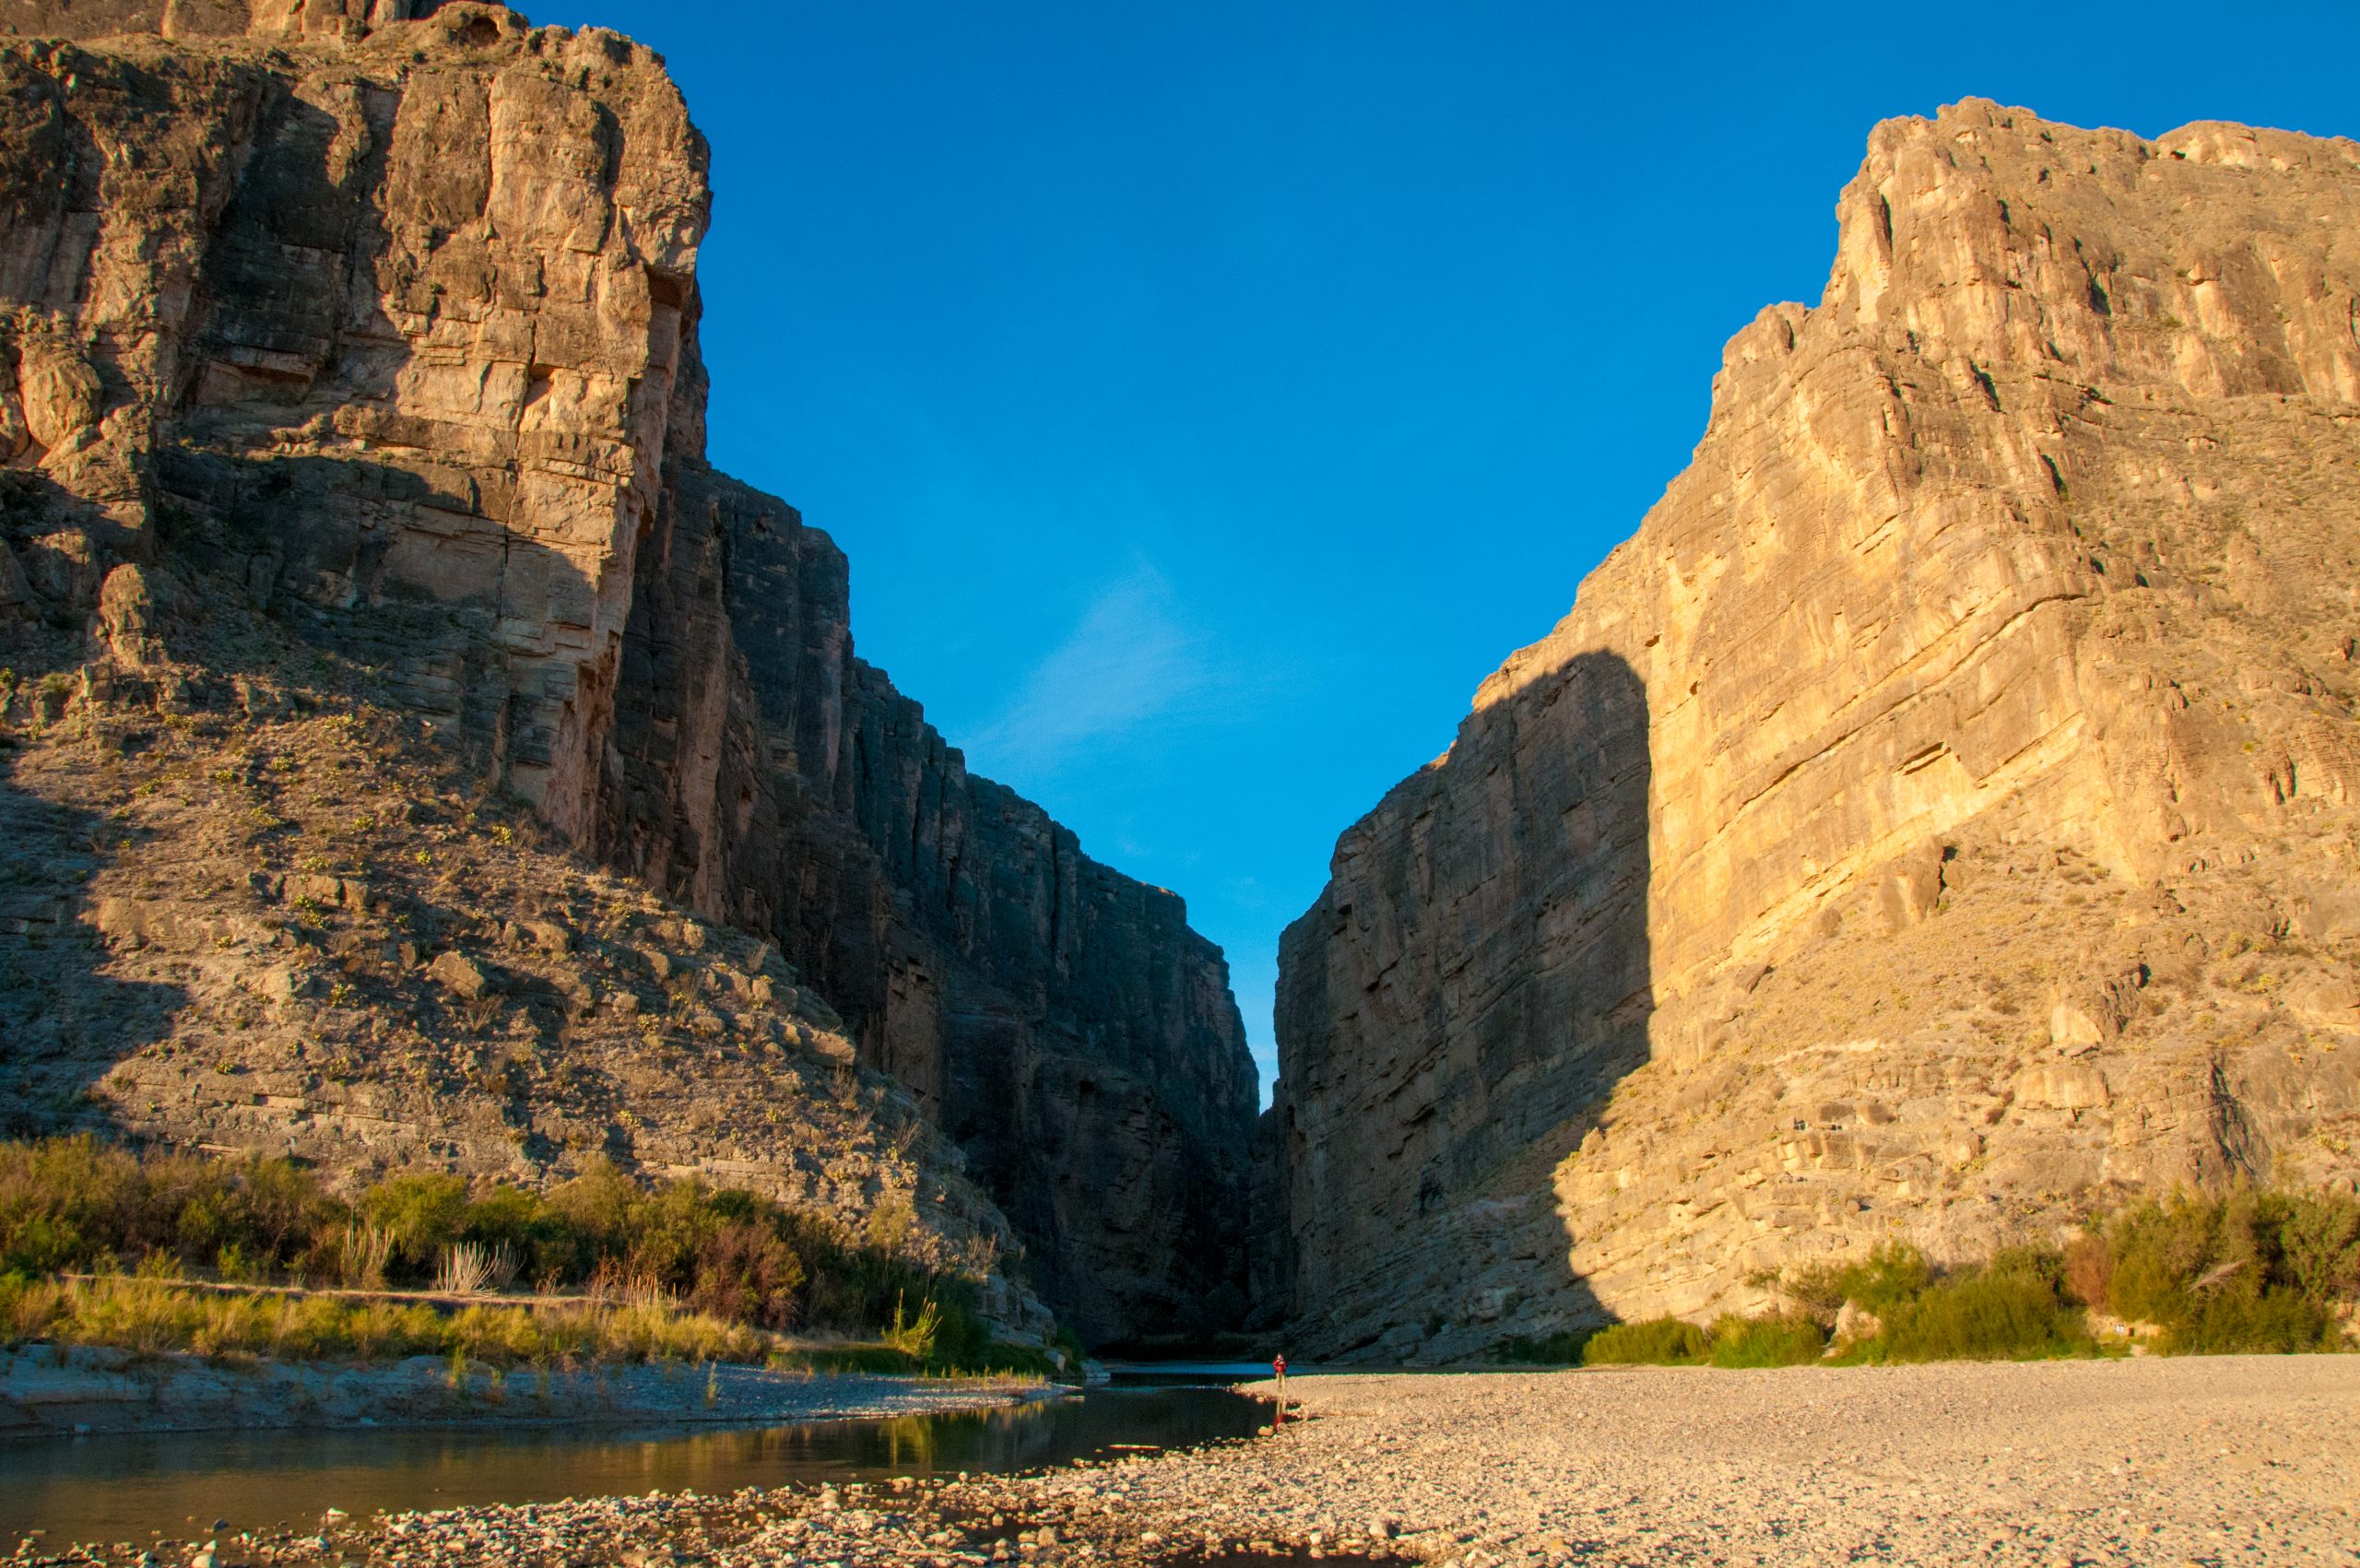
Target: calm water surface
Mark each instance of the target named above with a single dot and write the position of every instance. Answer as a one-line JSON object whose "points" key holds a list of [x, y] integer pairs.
{"points": [[128, 1488]]}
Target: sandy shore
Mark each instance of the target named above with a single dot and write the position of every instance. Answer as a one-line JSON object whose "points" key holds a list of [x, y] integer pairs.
{"points": [[2216, 1461], [46, 1390]]}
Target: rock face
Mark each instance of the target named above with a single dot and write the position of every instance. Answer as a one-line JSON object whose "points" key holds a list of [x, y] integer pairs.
{"points": [[1937, 822], [1059, 1021], [373, 322], [267, 913]]}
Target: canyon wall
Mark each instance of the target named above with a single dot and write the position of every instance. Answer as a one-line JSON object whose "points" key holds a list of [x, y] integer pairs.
{"points": [[1058, 1020], [1937, 822], [373, 322]]}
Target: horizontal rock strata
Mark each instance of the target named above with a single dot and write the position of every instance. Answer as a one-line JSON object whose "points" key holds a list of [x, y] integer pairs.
{"points": [[1936, 823]]}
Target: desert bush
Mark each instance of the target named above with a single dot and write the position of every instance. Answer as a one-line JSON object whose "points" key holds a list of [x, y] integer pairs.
{"points": [[746, 1273], [2011, 1309], [470, 1267], [76, 1205], [2254, 1270], [422, 1215], [2250, 1269], [514, 1218], [360, 1252], [2320, 1246], [594, 1211], [1890, 1274], [1561, 1348], [152, 1316], [1658, 1341], [2089, 1271], [2275, 1321], [1789, 1339]]}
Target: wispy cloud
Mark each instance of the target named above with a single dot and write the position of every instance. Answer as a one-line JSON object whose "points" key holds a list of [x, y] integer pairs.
{"points": [[1133, 658]]}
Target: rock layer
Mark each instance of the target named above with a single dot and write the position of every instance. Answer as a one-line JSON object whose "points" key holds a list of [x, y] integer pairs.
{"points": [[1935, 823], [376, 319]]}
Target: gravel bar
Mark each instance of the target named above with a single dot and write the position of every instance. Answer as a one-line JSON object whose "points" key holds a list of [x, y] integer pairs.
{"points": [[2205, 1461], [98, 1389]]}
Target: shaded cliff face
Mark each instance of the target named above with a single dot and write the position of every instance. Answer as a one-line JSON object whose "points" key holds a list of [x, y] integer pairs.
{"points": [[373, 322], [1479, 961], [1997, 657], [1059, 1021]]}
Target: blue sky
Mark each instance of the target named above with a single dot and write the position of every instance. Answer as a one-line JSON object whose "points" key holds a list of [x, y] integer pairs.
{"points": [[1210, 394]]}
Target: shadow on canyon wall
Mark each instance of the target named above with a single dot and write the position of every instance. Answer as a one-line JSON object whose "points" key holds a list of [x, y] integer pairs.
{"points": [[1453, 1015], [64, 1020], [112, 693], [346, 284], [1058, 1020]]}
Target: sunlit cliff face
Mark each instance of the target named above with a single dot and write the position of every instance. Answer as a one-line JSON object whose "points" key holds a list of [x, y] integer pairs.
{"points": [[1996, 704]]}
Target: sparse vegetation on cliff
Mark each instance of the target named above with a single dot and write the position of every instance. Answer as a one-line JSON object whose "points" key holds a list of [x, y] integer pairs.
{"points": [[622, 1272]]}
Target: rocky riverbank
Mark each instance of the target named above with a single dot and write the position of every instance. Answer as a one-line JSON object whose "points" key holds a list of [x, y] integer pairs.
{"points": [[64, 1389], [2212, 1462]]}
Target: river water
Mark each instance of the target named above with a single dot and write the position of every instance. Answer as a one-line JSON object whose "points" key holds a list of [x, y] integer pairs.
{"points": [[130, 1487]]}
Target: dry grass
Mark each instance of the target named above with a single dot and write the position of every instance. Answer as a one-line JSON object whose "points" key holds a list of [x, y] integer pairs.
{"points": [[152, 1315], [679, 1252]]}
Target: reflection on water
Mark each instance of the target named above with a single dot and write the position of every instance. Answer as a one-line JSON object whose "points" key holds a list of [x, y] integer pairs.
{"points": [[128, 1488], [1224, 1373]]}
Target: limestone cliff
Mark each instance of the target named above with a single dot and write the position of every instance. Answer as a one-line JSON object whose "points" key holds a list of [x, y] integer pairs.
{"points": [[1938, 822], [1058, 1020], [371, 323]]}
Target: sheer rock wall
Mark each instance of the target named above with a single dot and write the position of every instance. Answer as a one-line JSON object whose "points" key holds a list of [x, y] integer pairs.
{"points": [[378, 316], [1937, 821], [1059, 1021]]}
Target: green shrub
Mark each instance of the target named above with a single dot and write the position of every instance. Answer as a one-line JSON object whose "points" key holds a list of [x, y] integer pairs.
{"points": [[2276, 1321], [75, 1205], [1659, 1341], [2011, 1309], [1561, 1348], [1890, 1274], [1790, 1340], [2245, 1270], [2251, 1271], [510, 1218], [423, 1214], [2319, 1243], [152, 1315]]}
